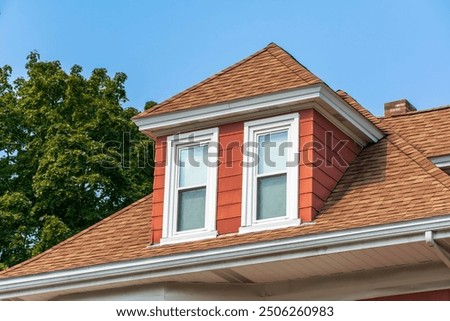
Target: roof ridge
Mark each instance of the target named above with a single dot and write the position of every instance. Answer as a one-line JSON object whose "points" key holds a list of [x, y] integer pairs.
{"points": [[214, 76], [289, 67], [73, 237], [417, 112]]}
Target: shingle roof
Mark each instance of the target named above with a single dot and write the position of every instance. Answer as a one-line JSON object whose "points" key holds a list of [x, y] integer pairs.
{"points": [[267, 71], [390, 181], [428, 130], [118, 237]]}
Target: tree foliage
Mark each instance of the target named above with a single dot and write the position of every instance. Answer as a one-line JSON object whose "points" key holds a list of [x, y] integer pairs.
{"points": [[150, 104], [69, 155]]}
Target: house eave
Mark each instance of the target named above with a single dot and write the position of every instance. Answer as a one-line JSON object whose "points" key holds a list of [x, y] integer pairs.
{"points": [[113, 274], [336, 110]]}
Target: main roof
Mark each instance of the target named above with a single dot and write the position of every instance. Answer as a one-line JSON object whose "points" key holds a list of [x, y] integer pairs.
{"points": [[426, 130], [267, 71], [390, 181]]}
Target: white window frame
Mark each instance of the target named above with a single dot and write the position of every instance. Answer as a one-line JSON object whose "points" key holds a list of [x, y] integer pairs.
{"points": [[170, 211], [253, 129]]}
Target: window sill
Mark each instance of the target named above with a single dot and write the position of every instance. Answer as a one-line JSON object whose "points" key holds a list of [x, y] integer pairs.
{"points": [[269, 225], [187, 237]]}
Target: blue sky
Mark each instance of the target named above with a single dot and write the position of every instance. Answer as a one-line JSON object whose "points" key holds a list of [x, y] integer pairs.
{"points": [[377, 51]]}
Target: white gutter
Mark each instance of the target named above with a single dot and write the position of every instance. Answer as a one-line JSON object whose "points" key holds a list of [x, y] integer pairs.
{"points": [[442, 253], [111, 274], [178, 119]]}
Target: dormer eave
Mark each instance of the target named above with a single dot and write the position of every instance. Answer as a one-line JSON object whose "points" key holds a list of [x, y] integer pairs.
{"points": [[319, 97]]}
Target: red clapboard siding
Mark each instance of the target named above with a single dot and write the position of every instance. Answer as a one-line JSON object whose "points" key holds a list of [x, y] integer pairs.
{"points": [[229, 183], [438, 295], [158, 188], [307, 158], [229, 189], [230, 225], [332, 165], [228, 211]]}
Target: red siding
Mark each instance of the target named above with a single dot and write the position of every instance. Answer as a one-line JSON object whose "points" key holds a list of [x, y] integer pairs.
{"points": [[306, 150], [158, 188], [229, 189], [323, 161], [438, 295]]}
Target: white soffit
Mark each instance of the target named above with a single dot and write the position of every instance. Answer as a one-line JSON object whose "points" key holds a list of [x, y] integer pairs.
{"points": [[356, 126]]}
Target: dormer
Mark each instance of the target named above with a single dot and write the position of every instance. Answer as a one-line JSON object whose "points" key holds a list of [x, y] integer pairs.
{"points": [[258, 146]]}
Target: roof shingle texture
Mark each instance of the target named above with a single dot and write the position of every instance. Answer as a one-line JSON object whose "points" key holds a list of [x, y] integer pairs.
{"points": [[117, 237], [269, 70], [428, 131]]}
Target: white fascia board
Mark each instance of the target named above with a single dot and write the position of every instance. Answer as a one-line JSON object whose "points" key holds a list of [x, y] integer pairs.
{"points": [[354, 117], [441, 161], [227, 257], [259, 104], [251, 105]]}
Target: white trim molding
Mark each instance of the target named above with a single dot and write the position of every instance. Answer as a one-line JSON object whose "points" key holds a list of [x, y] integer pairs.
{"points": [[252, 130], [209, 137], [336, 110], [110, 274]]}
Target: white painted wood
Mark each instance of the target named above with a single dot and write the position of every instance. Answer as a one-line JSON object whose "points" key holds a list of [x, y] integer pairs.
{"points": [[170, 234], [349, 286], [282, 101], [252, 130]]}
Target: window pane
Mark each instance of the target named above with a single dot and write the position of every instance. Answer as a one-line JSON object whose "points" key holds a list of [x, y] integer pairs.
{"points": [[191, 209], [271, 197], [192, 165], [272, 154]]}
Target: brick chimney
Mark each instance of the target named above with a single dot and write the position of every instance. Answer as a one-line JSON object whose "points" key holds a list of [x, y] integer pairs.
{"points": [[398, 107]]}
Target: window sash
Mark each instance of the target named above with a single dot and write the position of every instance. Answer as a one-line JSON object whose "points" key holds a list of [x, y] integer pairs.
{"points": [[188, 173], [191, 209], [277, 162], [178, 187], [271, 199], [252, 218]]}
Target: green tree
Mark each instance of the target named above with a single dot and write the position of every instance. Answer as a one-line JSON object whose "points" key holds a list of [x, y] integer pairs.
{"points": [[69, 155], [150, 104]]}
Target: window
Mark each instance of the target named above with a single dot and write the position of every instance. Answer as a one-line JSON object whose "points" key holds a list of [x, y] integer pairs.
{"points": [[270, 173], [190, 187]]}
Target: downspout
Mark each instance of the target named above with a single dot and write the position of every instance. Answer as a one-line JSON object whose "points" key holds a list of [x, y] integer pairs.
{"points": [[440, 251]]}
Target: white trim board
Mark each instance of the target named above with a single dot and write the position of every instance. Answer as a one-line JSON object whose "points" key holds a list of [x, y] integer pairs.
{"points": [[441, 161], [249, 222], [362, 131], [81, 279], [349, 286], [174, 143]]}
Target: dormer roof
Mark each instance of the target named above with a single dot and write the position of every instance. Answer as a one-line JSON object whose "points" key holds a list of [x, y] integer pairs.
{"points": [[269, 70], [267, 83]]}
